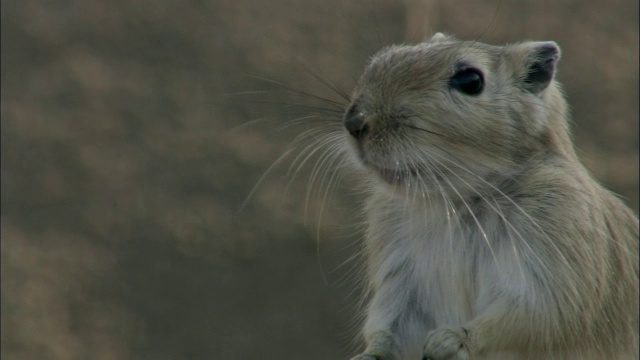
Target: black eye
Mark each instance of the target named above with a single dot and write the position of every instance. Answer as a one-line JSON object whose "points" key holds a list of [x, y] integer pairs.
{"points": [[468, 81]]}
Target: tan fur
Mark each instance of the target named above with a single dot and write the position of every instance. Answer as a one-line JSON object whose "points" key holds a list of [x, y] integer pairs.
{"points": [[487, 238]]}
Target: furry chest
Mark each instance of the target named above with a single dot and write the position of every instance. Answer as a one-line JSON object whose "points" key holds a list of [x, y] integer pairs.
{"points": [[432, 263]]}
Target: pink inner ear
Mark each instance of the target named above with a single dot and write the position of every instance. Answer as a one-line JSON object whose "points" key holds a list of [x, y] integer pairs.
{"points": [[540, 72]]}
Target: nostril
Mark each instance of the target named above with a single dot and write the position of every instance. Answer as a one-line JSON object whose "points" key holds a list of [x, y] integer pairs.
{"points": [[356, 124]]}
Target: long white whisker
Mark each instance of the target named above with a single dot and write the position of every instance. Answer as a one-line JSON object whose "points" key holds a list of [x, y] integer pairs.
{"points": [[261, 179], [330, 186], [501, 214], [327, 154], [483, 233], [522, 211], [310, 148]]}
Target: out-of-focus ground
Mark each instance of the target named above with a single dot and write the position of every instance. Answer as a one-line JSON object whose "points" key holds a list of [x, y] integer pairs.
{"points": [[124, 169]]}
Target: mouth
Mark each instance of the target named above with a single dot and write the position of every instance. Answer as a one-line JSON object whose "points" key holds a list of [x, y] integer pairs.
{"points": [[392, 174]]}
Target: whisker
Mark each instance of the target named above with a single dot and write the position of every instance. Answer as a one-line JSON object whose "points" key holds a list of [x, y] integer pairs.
{"points": [[421, 129], [301, 120], [290, 88], [309, 150], [508, 223], [483, 233], [324, 157], [328, 189], [247, 124], [329, 84], [262, 178]]}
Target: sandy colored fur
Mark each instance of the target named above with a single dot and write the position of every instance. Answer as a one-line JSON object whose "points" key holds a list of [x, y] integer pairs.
{"points": [[502, 245]]}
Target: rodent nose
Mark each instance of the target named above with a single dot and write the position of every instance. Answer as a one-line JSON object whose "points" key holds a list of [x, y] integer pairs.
{"points": [[356, 123]]}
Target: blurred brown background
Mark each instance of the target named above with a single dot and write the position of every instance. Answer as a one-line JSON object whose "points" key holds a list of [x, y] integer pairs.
{"points": [[124, 169]]}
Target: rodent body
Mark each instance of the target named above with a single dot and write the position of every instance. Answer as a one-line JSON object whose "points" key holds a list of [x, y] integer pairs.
{"points": [[487, 238]]}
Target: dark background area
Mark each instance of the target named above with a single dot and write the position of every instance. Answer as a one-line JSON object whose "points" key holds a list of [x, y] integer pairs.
{"points": [[124, 165]]}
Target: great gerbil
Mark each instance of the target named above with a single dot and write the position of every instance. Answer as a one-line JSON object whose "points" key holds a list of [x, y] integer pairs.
{"points": [[487, 238]]}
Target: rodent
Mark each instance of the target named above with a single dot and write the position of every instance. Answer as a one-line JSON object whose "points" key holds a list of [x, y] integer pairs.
{"points": [[486, 236]]}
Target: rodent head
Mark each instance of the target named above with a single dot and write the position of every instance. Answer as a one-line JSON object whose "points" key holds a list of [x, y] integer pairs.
{"points": [[450, 111]]}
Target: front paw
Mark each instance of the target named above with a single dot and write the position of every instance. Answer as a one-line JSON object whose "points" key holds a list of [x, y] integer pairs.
{"points": [[447, 343]]}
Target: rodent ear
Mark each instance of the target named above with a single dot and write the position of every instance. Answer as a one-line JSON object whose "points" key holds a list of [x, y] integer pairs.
{"points": [[541, 64], [439, 37]]}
